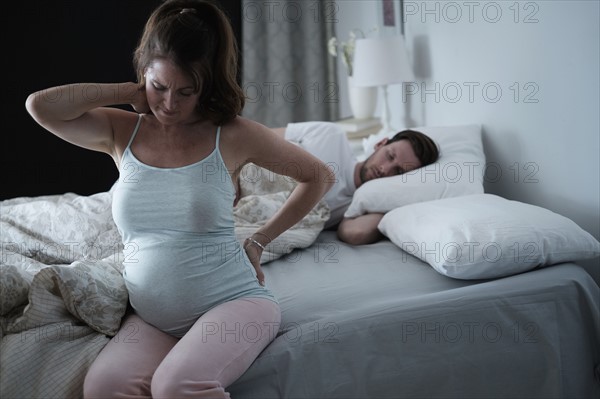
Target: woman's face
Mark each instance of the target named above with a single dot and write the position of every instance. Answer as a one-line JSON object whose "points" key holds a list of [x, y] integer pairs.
{"points": [[170, 92]]}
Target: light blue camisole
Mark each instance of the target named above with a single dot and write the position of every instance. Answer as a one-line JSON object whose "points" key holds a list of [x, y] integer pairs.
{"points": [[181, 255]]}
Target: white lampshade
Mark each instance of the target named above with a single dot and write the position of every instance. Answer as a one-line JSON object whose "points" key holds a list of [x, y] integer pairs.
{"points": [[381, 61]]}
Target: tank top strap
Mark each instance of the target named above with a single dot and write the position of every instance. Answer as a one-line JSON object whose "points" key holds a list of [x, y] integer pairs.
{"points": [[218, 137], [137, 126]]}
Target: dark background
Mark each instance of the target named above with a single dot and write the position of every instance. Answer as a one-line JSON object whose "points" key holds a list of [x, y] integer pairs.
{"points": [[54, 42]]}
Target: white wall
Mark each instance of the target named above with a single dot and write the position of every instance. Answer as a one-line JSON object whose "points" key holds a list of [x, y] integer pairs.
{"points": [[529, 72], [349, 15]]}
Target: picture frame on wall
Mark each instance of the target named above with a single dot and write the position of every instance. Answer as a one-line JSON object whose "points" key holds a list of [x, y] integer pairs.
{"points": [[391, 17]]}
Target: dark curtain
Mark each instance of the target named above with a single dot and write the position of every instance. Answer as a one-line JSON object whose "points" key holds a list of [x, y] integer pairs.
{"points": [[288, 75]]}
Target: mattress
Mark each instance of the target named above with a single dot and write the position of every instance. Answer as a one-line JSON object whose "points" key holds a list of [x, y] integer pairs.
{"points": [[373, 321], [366, 321]]}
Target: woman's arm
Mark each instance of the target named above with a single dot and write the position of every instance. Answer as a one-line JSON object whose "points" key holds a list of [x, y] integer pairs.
{"points": [[267, 149], [78, 113], [360, 230], [280, 131]]}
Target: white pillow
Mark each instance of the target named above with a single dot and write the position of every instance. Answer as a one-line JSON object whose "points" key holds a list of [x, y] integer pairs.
{"points": [[486, 236], [458, 171]]}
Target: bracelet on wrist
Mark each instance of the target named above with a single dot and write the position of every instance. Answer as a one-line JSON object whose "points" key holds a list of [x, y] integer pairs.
{"points": [[263, 234], [253, 241]]}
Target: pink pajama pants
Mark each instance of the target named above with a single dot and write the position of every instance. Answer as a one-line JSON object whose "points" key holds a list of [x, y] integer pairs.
{"points": [[144, 362]]}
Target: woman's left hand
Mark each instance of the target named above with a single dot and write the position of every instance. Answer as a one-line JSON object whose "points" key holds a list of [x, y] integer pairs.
{"points": [[254, 253]]}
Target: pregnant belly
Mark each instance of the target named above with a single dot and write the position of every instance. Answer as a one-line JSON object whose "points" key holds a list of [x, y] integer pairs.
{"points": [[170, 286]]}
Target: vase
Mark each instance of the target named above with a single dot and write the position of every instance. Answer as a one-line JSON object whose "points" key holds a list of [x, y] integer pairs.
{"points": [[362, 100]]}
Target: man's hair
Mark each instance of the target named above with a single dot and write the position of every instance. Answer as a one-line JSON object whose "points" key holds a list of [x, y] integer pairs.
{"points": [[424, 147]]}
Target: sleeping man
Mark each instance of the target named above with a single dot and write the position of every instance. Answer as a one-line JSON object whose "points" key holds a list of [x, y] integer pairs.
{"points": [[404, 152]]}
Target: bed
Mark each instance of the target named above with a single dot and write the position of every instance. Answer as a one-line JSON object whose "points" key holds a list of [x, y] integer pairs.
{"points": [[369, 322], [433, 311]]}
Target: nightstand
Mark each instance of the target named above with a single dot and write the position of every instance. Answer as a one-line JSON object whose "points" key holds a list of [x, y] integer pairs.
{"points": [[357, 130]]}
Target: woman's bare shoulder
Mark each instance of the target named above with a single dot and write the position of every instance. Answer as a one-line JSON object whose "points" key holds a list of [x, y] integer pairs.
{"points": [[243, 139], [241, 124], [242, 132], [124, 123]]}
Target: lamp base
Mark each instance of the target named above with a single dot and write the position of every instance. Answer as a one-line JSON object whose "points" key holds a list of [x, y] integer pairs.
{"points": [[362, 100]]}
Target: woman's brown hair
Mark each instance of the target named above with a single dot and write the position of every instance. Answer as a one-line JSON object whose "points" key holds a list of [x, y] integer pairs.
{"points": [[197, 36]]}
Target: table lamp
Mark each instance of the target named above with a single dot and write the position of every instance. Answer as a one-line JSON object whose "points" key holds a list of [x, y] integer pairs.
{"points": [[381, 62]]}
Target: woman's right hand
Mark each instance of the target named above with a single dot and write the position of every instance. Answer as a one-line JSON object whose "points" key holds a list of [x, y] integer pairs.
{"points": [[140, 101]]}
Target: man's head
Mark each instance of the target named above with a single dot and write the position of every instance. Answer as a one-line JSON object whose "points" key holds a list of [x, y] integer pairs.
{"points": [[406, 151]]}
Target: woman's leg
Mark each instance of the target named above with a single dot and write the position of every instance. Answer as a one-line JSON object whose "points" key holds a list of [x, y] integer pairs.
{"points": [[217, 350], [125, 366]]}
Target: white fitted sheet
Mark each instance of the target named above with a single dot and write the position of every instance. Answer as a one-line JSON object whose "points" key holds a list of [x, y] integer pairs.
{"points": [[372, 321]]}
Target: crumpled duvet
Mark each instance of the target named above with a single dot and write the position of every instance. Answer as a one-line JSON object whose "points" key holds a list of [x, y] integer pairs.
{"points": [[61, 288]]}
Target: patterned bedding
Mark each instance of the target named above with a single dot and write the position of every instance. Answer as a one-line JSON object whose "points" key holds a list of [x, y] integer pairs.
{"points": [[61, 286]]}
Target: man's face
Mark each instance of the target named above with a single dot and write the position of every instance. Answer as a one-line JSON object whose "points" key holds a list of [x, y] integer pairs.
{"points": [[389, 160]]}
